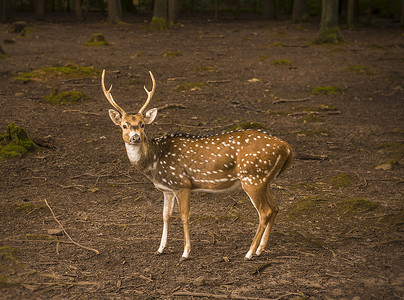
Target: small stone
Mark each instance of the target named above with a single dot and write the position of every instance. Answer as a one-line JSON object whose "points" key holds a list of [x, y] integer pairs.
{"points": [[57, 232], [200, 281], [384, 166]]}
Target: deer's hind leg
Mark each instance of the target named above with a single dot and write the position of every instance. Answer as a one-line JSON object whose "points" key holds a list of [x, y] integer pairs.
{"points": [[258, 197], [274, 211]]}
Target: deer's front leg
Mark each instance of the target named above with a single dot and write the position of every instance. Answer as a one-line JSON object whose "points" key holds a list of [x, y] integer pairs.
{"points": [[184, 205], [167, 212]]}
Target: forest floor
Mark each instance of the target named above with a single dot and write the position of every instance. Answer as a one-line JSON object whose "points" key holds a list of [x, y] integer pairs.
{"points": [[339, 232]]}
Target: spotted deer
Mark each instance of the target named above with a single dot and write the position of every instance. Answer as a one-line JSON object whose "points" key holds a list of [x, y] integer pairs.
{"points": [[180, 163]]}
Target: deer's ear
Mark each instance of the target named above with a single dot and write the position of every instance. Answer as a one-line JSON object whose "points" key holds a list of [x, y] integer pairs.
{"points": [[115, 116], [150, 115]]}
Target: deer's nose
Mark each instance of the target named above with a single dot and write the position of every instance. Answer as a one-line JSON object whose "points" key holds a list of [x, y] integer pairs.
{"points": [[134, 139]]}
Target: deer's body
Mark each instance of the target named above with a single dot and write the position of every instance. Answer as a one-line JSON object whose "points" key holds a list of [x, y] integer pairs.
{"points": [[179, 163], [210, 163]]}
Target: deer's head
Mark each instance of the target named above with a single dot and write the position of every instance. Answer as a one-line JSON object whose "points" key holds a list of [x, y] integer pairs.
{"points": [[132, 125]]}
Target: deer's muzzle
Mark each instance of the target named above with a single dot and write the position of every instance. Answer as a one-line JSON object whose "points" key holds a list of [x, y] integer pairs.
{"points": [[135, 139]]}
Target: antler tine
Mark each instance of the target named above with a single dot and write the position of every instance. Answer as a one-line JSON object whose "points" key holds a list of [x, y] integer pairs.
{"points": [[149, 93], [108, 95]]}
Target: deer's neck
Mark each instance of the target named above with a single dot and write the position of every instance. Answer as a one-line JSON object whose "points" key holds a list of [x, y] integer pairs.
{"points": [[141, 155]]}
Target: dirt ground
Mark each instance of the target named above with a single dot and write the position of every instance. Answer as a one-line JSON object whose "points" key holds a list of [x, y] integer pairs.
{"points": [[339, 232]]}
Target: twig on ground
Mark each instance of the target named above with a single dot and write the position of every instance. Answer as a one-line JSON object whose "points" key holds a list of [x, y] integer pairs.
{"points": [[290, 100], [230, 296], [312, 157], [260, 268], [218, 81], [80, 187], [170, 105], [65, 232]]}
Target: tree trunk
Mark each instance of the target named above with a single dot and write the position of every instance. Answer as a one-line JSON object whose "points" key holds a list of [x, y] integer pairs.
{"points": [[173, 8], [353, 12], [160, 9], [369, 16], [269, 9], [6, 13], [299, 10], [329, 31], [78, 11], [114, 11], [40, 10], [329, 14], [238, 10], [216, 6], [402, 13]]}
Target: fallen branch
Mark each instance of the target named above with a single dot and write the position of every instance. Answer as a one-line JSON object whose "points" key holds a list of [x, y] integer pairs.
{"points": [[260, 268], [173, 105], [218, 81], [65, 232], [312, 157], [290, 100], [230, 296], [303, 113]]}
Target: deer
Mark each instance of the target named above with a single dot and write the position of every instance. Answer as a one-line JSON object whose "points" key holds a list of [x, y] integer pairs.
{"points": [[180, 163]]}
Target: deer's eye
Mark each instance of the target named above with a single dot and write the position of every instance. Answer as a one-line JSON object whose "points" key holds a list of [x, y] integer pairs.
{"points": [[124, 126], [141, 125]]}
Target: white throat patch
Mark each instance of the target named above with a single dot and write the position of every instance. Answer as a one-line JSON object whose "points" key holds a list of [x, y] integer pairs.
{"points": [[134, 152]]}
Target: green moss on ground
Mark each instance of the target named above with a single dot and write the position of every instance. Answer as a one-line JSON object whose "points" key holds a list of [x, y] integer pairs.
{"points": [[307, 205], [361, 70], [67, 97], [312, 118], [358, 204], [204, 69], [282, 62], [172, 54], [15, 143], [329, 36], [68, 71], [342, 180], [326, 90], [158, 24], [97, 40]]}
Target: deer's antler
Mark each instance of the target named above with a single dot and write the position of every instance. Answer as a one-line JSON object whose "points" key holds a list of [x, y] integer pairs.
{"points": [[108, 95], [149, 94]]}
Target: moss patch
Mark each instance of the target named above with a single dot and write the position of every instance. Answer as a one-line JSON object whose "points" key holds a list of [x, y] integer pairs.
{"points": [[282, 62], [312, 118], [26, 208], [204, 69], [326, 90], [172, 54], [358, 204], [276, 113], [361, 70], [158, 24], [68, 71], [97, 40], [15, 143], [342, 180], [246, 125], [191, 86], [67, 97], [305, 206], [329, 36]]}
